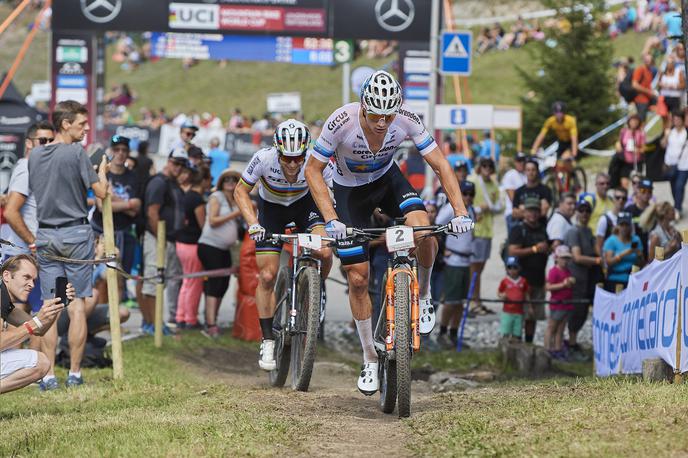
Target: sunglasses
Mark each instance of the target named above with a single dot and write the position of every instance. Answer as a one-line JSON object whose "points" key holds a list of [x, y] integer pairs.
{"points": [[645, 191], [619, 197], [120, 149], [189, 133], [603, 183], [291, 159], [43, 140], [512, 267], [584, 210], [375, 118]]}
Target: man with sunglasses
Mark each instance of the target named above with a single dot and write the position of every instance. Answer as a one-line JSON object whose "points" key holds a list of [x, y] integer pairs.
{"points": [[363, 138], [607, 222], [284, 198], [641, 200], [187, 132]]}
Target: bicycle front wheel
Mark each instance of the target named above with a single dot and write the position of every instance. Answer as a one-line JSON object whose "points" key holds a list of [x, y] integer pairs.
{"points": [[304, 342], [279, 329], [402, 342]]}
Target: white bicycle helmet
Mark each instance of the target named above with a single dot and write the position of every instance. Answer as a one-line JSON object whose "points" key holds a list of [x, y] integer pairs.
{"points": [[292, 138], [381, 94]]}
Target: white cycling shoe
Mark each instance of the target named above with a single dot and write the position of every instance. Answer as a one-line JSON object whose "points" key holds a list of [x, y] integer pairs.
{"points": [[267, 355], [427, 317], [368, 382]]}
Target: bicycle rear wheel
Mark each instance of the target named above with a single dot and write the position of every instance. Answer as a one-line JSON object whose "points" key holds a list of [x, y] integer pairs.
{"points": [[304, 342], [581, 179], [402, 342], [279, 328]]}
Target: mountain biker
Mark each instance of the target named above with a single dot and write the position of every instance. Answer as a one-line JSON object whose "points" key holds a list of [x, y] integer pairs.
{"points": [[283, 198], [564, 127], [363, 138]]}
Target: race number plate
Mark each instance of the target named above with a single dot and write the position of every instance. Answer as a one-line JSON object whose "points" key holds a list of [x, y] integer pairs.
{"points": [[399, 238], [311, 241]]}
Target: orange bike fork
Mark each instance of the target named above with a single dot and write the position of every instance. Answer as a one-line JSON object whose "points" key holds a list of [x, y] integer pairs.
{"points": [[389, 308], [415, 310]]}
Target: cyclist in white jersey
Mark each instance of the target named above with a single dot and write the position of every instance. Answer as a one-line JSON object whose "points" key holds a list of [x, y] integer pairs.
{"points": [[283, 198], [362, 138]]}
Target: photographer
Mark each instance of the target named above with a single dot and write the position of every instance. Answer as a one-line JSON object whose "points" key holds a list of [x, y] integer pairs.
{"points": [[19, 368]]}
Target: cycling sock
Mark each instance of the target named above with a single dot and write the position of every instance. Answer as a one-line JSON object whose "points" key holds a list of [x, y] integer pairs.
{"points": [[365, 333], [443, 330], [453, 333], [47, 378], [266, 328], [424, 274]]}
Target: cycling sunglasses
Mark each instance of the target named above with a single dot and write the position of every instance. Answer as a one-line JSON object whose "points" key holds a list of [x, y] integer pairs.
{"points": [[292, 159], [375, 118], [43, 140]]}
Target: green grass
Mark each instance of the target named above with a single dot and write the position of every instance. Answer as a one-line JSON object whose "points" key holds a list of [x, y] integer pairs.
{"points": [[162, 408]]}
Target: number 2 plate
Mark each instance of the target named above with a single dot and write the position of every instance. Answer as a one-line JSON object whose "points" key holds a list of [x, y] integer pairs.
{"points": [[311, 241], [399, 238]]}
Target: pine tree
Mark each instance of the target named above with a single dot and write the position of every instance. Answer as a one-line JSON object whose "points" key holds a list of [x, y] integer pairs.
{"points": [[575, 62]]}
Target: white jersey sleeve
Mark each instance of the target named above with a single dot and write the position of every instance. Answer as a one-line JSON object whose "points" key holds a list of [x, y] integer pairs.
{"points": [[255, 169], [331, 134], [416, 130]]}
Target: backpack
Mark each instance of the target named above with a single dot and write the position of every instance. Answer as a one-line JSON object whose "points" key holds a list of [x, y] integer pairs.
{"points": [[610, 227], [626, 87], [94, 353]]}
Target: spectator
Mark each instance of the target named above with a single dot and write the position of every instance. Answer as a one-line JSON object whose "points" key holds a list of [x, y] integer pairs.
{"points": [[219, 159], [607, 223], [528, 242], [196, 157], [19, 368], [674, 142], [144, 165], [456, 157], [602, 201], [437, 276], [487, 145], [457, 276], [621, 251], [187, 132], [187, 248], [641, 202], [671, 84], [560, 222], [513, 179], [513, 289], [236, 121], [63, 228], [642, 83], [487, 203], [629, 150], [586, 269], [163, 202], [220, 232], [560, 284], [461, 173], [664, 234], [533, 188]]}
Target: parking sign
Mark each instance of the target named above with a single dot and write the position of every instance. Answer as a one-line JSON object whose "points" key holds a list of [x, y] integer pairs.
{"points": [[455, 54]]}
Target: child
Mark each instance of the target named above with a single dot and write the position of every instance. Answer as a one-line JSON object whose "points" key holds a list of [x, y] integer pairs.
{"points": [[559, 283], [514, 288]]}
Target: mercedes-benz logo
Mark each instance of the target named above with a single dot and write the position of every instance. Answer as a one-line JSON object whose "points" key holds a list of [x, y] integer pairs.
{"points": [[101, 11], [393, 18]]}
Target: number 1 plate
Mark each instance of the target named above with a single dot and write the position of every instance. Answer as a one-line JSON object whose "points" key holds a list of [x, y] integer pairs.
{"points": [[311, 241], [399, 238]]}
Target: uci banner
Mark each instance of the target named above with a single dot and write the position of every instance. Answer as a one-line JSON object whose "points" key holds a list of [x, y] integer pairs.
{"points": [[642, 321]]}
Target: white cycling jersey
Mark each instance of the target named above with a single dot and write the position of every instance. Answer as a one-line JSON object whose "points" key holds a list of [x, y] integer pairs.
{"points": [[342, 137], [265, 168]]}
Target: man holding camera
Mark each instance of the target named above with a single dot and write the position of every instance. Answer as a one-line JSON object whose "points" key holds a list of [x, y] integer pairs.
{"points": [[60, 174], [18, 367]]}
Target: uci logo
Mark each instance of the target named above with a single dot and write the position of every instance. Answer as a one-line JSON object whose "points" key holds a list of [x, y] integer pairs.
{"points": [[194, 16], [101, 11]]}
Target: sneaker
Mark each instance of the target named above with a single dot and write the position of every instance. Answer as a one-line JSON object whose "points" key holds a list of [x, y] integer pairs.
{"points": [[444, 342], [267, 355], [211, 332], [73, 380], [50, 385], [147, 329], [368, 382], [427, 317]]}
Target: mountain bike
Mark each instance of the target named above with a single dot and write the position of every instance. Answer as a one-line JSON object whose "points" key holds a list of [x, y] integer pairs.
{"points": [[300, 309], [397, 332]]}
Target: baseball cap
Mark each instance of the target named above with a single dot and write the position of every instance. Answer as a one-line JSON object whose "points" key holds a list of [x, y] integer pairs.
{"points": [[188, 125], [486, 160], [119, 140], [562, 251], [645, 184], [586, 198], [196, 152], [512, 261], [520, 156], [179, 156], [624, 217], [467, 187], [532, 203], [460, 165]]}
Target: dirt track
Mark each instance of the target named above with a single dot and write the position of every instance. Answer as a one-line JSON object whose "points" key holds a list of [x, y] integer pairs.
{"points": [[348, 423]]}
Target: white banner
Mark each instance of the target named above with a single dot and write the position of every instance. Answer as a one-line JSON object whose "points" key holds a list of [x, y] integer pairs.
{"points": [[169, 135], [606, 332]]}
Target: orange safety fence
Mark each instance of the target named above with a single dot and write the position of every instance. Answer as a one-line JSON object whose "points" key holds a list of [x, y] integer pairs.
{"points": [[13, 15]]}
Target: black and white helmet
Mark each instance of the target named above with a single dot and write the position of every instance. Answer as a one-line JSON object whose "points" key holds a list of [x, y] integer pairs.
{"points": [[381, 94], [292, 138]]}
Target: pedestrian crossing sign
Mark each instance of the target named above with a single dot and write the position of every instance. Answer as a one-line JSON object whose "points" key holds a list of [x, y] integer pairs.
{"points": [[455, 53]]}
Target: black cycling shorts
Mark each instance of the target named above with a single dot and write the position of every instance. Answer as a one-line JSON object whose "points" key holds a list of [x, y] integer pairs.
{"points": [[355, 205], [275, 217], [563, 147]]}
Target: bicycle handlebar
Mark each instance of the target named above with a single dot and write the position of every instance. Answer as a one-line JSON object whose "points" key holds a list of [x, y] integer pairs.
{"points": [[373, 231], [290, 237]]}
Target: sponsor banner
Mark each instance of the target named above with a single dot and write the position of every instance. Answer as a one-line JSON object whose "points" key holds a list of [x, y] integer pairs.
{"points": [[136, 134], [382, 19], [606, 333], [169, 135], [105, 15], [284, 102], [241, 146]]}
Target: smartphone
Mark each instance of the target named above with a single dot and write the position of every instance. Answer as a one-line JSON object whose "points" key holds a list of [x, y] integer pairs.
{"points": [[61, 290], [634, 245], [97, 157]]}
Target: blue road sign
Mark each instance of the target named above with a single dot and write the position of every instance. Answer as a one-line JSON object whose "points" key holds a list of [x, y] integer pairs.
{"points": [[455, 53]]}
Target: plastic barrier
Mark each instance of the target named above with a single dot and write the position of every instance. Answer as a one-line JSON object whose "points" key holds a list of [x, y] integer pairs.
{"points": [[246, 324]]}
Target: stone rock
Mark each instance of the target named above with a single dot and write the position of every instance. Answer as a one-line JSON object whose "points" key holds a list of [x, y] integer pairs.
{"points": [[656, 370], [526, 359], [480, 376], [443, 382], [542, 362]]}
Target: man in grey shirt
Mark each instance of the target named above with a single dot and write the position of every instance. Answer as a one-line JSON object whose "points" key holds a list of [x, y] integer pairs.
{"points": [[60, 174]]}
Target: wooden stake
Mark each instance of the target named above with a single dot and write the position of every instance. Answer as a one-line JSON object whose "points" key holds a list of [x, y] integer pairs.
{"points": [[113, 291], [160, 286], [449, 24]]}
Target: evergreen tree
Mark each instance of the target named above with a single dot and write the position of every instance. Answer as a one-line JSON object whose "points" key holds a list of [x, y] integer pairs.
{"points": [[575, 62]]}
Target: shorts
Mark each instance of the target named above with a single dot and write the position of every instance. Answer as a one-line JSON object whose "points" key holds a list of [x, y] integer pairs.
{"points": [[150, 262], [215, 258], [563, 147], [456, 284], [75, 242], [275, 217], [535, 312], [481, 248], [12, 361], [98, 319], [355, 205], [559, 315], [510, 324]]}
